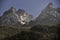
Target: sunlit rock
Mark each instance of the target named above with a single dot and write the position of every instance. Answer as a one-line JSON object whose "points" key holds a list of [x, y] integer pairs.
{"points": [[13, 17]]}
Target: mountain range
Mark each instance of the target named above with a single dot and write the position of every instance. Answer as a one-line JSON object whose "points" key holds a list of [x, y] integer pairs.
{"points": [[49, 16], [13, 17]]}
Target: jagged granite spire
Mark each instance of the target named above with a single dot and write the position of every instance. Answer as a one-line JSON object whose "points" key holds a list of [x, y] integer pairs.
{"points": [[48, 16], [12, 9], [13, 17], [50, 4]]}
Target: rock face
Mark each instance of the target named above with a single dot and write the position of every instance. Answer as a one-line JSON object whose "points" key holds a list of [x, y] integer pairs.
{"points": [[24, 16], [9, 17], [13, 17], [49, 16]]}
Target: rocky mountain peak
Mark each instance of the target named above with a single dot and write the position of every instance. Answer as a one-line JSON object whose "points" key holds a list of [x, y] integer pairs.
{"points": [[12, 9], [13, 17], [21, 10], [48, 16], [50, 4]]}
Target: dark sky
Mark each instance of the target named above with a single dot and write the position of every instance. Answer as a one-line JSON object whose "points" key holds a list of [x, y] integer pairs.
{"points": [[33, 7]]}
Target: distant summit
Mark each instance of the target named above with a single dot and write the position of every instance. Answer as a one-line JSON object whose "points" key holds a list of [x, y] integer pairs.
{"points": [[49, 16], [50, 5], [14, 17]]}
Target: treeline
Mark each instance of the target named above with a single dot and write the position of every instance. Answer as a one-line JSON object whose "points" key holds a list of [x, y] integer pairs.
{"points": [[38, 32], [48, 32]]}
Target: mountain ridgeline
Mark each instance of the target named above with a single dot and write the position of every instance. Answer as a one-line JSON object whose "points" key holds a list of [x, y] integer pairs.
{"points": [[13, 17], [49, 16]]}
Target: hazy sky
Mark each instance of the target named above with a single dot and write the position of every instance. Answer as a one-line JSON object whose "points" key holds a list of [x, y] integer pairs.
{"points": [[33, 7]]}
